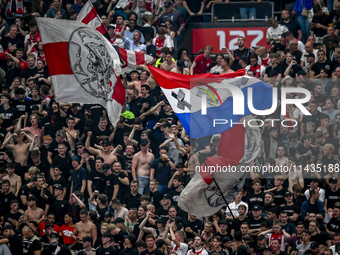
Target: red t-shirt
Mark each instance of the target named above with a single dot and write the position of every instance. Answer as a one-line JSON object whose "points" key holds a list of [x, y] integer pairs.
{"points": [[67, 232], [202, 64], [42, 228]]}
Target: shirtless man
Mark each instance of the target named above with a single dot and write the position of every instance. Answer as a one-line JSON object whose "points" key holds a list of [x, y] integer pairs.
{"points": [[225, 66], [150, 79], [21, 149], [295, 174], [105, 153], [135, 81], [71, 133], [33, 129], [14, 179], [281, 160], [141, 163], [168, 64], [34, 213], [180, 68], [84, 228]]}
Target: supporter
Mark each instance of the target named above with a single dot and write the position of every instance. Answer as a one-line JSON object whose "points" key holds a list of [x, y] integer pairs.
{"points": [[254, 66], [168, 63], [202, 63], [275, 30], [291, 24], [31, 243]]}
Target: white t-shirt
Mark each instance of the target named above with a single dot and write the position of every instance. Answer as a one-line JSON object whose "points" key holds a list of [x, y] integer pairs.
{"points": [[199, 252], [273, 33], [181, 250], [321, 192]]}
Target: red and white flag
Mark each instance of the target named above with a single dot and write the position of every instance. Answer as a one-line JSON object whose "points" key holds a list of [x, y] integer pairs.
{"points": [[130, 59], [82, 64], [88, 15]]}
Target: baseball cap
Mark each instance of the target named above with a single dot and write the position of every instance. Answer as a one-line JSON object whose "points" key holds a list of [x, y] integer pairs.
{"points": [[226, 239], [48, 225], [58, 186], [179, 222], [143, 142], [132, 238], [288, 193], [333, 180], [161, 220], [162, 24], [167, 196], [80, 143], [76, 158], [301, 72], [9, 227], [314, 245], [87, 239], [106, 167], [256, 208], [310, 55], [106, 142]]}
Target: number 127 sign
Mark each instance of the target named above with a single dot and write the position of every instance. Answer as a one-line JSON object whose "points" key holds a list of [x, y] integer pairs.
{"points": [[227, 37]]}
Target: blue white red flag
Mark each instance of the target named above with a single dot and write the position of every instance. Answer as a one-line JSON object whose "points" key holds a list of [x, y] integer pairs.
{"points": [[185, 94]]}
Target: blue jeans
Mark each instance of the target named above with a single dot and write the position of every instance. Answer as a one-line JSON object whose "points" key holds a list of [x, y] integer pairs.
{"points": [[248, 13], [162, 188], [143, 185], [305, 27]]}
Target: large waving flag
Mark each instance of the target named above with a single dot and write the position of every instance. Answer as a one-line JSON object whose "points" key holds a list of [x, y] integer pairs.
{"points": [[185, 94], [129, 59], [224, 174], [88, 15], [224, 98], [82, 65]]}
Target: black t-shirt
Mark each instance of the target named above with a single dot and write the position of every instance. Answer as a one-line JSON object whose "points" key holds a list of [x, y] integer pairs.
{"points": [[324, 20], [236, 224], [64, 163], [246, 52], [242, 250], [11, 74], [21, 107], [253, 224], [292, 26], [194, 225], [136, 106], [255, 199], [321, 238], [60, 208], [154, 252], [277, 68], [175, 196], [106, 251], [5, 201], [7, 116], [278, 196], [18, 41], [54, 148], [316, 67], [12, 216], [98, 133], [41, 203], [332, 197], [334, 225], [110, 182], [28, 72], [123, 189], [31, 246], [290, 209], [15, 244], [156, 198], [131, 201], [98, 181]]}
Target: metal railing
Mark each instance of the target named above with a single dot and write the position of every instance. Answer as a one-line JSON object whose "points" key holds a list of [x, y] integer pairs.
{"points": [[242, 11]]}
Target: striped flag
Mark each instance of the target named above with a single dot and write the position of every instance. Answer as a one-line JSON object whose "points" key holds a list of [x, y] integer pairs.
{"points": [[88, 15], [130, 59], [82, 65]]}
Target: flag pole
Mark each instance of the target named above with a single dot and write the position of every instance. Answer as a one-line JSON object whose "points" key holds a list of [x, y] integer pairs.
{"points": [[223, 197]]}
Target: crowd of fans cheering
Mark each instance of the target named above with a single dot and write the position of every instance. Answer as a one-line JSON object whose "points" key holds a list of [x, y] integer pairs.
{"points": [[72, 182]]}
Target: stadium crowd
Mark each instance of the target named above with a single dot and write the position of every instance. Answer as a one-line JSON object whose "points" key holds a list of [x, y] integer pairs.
{"points": [[71, 182]]}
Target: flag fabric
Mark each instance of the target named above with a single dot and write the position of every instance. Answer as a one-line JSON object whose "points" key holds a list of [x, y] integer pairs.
{"points": [[131, 59], [202, 197], [185, 94], [88, 15], [82, 65], [122, 3]]}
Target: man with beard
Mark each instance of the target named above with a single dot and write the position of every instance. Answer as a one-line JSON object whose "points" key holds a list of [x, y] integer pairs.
{"points": [[31, 70], [111, 182], [241, 51], [126, 159], [292, 25], [11, 238], [123, 179], [258, 69], [322, 63], [42, 75]]}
